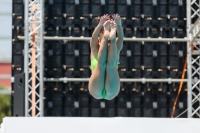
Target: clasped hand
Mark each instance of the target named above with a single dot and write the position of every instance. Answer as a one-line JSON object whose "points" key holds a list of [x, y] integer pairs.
{"points": [[115, 19]]}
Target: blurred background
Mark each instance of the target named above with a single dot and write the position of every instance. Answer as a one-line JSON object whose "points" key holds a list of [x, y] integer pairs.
{"points": [[5, 56]]}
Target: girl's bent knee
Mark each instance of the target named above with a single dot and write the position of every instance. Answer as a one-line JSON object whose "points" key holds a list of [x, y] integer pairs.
{"points": [[96, 95], [111, 95]]}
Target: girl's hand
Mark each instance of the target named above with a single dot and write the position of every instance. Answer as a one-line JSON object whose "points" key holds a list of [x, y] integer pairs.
{"points": [[117, 19], [106, 26], [103, 19], [113, 29]]}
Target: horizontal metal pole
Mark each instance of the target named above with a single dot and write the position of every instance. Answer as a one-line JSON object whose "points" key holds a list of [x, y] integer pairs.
{"points": [[5, 92], [125, 39], [5, 76], [143, 80], [34, 22], [5, 13], [5, 37]]}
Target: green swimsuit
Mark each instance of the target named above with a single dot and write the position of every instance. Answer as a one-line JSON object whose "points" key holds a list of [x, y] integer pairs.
{"points": [[94, 62]]}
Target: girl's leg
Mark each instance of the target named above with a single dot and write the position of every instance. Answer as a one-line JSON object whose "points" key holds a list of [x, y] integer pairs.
{"points": [[112, 83], [97, 79]]}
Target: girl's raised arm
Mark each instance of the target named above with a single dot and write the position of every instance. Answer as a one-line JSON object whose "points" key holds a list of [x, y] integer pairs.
{"points": [[120, 33], [94, 39]]}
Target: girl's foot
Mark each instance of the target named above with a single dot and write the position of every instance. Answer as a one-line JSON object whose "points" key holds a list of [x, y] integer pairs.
{"points": [[113, 30], [106, 29]]}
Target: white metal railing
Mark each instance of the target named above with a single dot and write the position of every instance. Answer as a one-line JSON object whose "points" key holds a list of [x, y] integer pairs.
{"points": [[5, 37], [133, 39], [5, 76], [5, 13], [5, 92], [143, 80]]}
